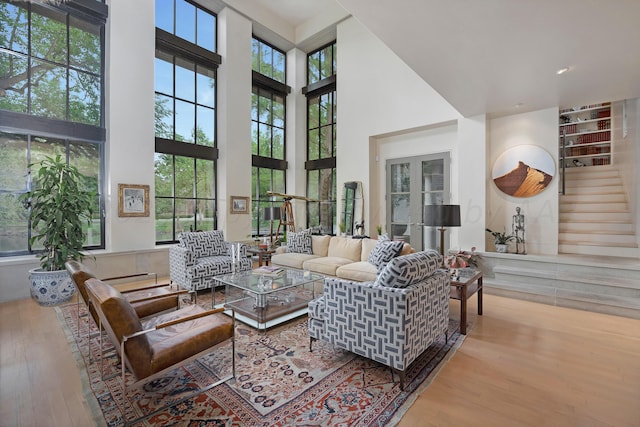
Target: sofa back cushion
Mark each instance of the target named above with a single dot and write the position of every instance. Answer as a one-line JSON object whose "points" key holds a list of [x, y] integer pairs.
{"points": [[341, 247], [367, 247], [320, 244], [204, 243], [407, 270]]}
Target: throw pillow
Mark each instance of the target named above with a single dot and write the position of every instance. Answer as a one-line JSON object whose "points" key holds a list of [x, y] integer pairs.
{"points": [[409, 269], [384, 238], [299, 242], [383, 252]]}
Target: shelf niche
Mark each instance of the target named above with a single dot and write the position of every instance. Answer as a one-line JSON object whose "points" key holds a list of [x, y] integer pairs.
{"points": [[586, 132]]}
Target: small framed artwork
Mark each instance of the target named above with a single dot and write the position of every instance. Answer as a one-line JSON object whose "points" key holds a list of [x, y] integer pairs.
{"points": [[239, 205], [133, 200]]}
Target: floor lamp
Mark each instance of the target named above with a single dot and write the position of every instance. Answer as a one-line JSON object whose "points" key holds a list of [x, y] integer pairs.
{"points": [[271, 214], [441, 216]]}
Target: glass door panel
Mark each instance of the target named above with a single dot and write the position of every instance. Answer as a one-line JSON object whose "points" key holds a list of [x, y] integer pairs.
{"points": [[399, 202], [412, 183]]}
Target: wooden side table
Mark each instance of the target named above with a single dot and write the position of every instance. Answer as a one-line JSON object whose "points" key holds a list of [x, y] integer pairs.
{"points": [[264, 255], [462, 290]]}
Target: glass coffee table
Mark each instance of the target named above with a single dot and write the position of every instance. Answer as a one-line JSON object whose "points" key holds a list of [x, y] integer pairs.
{"points": [[266, 300]]}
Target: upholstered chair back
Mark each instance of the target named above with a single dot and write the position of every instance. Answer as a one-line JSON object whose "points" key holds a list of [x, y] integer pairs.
{"points": [[119, 319], [80, 274]]}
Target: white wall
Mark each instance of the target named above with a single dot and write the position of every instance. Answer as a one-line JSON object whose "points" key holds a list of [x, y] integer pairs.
{"points": [[129, 59], [386, 111], [538, 128], [234, 121], [296, 134], [626, 150]]}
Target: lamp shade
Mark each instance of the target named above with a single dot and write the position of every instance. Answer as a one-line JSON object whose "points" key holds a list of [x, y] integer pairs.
{"points": [[441, 215], [271, 214]]}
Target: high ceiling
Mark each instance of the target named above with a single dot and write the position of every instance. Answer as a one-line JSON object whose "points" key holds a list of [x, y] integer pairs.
{"points": [[501, 56]]}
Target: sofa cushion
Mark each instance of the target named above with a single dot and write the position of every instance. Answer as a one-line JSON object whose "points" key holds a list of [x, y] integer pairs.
{"points": [[340, 247], [292, 260], [361, 271], [367, 247], [320, 244], [204, 243], [325, 265], [384, 252], [407, 270], [299, 242]]}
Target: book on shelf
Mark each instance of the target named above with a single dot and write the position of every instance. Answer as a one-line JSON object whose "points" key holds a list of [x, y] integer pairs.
{"points": [[268, 270]]}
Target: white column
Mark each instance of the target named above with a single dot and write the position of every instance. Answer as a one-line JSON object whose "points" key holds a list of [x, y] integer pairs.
{"points": [[234, 121]]}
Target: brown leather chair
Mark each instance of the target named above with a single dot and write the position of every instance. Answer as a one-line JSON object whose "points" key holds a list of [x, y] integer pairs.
{"points": [[149, 348], [145, 301]]}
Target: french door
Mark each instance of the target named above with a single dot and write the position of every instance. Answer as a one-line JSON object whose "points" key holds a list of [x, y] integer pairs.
{"points": [[413, 182]]}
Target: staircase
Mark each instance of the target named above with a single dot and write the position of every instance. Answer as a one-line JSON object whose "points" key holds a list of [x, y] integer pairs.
{"points": [[594, 214]]}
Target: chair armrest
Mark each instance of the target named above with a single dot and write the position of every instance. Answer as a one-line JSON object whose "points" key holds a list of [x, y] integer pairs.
{"points": [[154, 297], [182, 255], [281, 250], [144, 288], [192, 317], [129, 276], [178, 321]]}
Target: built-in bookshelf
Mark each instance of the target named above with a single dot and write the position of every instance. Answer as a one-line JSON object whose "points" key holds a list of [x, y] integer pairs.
{"points": [[585, 134]]}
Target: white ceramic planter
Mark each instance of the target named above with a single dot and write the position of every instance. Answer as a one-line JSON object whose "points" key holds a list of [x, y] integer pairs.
{"points": [[50, 288], [501, 248]]}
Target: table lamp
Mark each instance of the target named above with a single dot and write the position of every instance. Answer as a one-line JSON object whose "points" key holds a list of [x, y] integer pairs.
{"points": [[271, 214], [441, 216]]}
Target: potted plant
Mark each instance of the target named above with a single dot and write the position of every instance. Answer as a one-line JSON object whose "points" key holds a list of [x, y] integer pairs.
{"points": [[501, 240], [379, 229], [343, 228], [60, 203]]}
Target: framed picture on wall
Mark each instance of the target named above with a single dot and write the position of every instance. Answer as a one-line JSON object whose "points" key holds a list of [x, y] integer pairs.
{"points": [[523, 171], [133, 200], [239, 205]]}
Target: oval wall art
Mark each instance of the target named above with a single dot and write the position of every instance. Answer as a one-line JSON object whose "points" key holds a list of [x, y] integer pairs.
{"points": [[523, 171]]}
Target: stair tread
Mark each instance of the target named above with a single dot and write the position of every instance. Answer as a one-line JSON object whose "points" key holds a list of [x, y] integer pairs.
{"points": [[601, 244]]}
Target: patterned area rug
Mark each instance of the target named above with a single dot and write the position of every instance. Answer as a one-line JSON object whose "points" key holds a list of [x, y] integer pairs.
{"points": [[278, 382]]}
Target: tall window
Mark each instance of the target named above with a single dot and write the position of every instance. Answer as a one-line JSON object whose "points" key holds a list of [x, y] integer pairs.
{"points": [[185, 119], [51, 102], [268, 117], [321, 138]]}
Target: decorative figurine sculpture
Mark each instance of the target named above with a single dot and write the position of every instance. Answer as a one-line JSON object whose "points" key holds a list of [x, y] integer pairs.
{"points": [[517, 227]]}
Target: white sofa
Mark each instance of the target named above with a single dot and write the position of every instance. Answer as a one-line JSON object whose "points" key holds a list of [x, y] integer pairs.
{"points": [[342, 257]]}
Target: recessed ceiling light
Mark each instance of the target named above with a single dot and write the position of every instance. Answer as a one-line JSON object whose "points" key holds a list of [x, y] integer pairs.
{"points": [[519, 104], [562, 70]]}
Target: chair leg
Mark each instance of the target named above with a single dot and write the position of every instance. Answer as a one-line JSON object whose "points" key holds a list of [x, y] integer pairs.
{"points": [[401, 374]]}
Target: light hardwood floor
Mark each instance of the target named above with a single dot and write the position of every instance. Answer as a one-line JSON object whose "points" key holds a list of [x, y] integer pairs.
{"points": [[522, 364]]}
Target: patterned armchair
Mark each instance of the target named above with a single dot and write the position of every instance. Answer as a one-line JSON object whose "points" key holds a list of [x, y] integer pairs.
{"points": [[200, 256], [392, 320]]}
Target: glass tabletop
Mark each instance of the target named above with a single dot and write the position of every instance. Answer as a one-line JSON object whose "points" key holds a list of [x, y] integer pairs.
{"points": [[268, 283]]}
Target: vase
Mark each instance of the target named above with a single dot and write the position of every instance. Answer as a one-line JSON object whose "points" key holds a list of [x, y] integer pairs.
{"points": [[51, 288], [501, 248]]}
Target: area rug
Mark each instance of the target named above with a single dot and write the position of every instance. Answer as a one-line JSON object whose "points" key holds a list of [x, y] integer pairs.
{"points": [[279, 382]]}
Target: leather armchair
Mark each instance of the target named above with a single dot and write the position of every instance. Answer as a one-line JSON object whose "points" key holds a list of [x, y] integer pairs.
{"points": [[146, 301], [151, 347]]}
